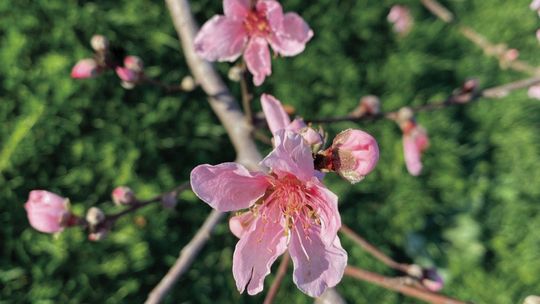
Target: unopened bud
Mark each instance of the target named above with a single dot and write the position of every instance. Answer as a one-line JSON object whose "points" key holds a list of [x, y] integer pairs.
{"points": [[415, 271], [99, 43], [432, 280], [98, 235], [405, 114], [169, 200], [368, 105], [134, 63], [85, 68], [354, 154], [123, 196], [94, 216], [235, 73], [188, 83], [511, 55]]}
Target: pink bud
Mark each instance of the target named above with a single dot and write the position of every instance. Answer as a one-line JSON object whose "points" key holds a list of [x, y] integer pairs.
{"points": [[99, 43], [311, 137], [123, 196], [134, 63], [415, 142], [354, 154], [538, 35], [46, 211], [511, 55], [401, 18], [85, 68], [127, 75], [432, 280], [535, 5], [534, 91], [169, 200]]}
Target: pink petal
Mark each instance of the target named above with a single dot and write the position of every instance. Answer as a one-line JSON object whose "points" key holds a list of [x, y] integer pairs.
{"points": [[327, 211], [126, 74], [317, 266], [291, 156], [276, 117], [273, 12], [228, 186], [257, 56], [85, 68], [46, 211], [412, 155], [292, 37], [221, 39], [237, 9], [296, 125], [534, 92], [535, 5], [240, 224], [256, 252]]}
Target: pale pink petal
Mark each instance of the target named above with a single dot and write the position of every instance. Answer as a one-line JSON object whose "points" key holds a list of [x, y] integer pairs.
{"points": [[221, 39], [237, 9], [46, 211], [256, 252], [85, 68], [296, 125], [276, 117], [257, 56], [535, 5], [273, 12], [412, 155], [126, 74], [241, 223], [291, 156], [327, 204], [534, 92], [228, 186], [291, 38], [355, 154], [317, 266]]}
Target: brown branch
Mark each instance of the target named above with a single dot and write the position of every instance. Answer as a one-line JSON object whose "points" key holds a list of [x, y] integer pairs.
{"points": [[399, 286], [491, 49], [185, 259], [454, 100], [282, 271], [374, 251]]}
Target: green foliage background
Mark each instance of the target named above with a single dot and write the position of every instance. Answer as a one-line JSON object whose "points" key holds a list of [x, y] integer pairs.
{"points": [[474, 212]]}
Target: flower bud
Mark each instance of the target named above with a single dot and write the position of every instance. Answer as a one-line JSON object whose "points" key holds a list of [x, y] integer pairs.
{"points": [[98, 235], [123, 196], [415, 142], [188, 83], [354, 154], [401, 19], [235, 73], [46, 211], [432, 280], [132, 71], [94, 216], [134, 63], [99, 43], [538, 35], [534, 92], [511, 55], [368, 105], [85, 68], [169, 200]]}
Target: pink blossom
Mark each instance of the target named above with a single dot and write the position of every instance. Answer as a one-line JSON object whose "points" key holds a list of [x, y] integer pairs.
{"points": [[511, 55], [287, 209], [132, 71], [249, 31], [415, 141], [123, 195], [85, 68], [278, 120], [535, 6], [46, 211], [534, 91], [354, 154], [432, 280], [401, 18]]}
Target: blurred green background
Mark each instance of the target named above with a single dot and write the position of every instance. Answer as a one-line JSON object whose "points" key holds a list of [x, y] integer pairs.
{"points": [[474, 212]]}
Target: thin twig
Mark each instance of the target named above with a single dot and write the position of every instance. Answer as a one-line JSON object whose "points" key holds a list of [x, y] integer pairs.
{"points": [[374, 251], [165, 87], [185, 259], [397, 285], [454, 100], [282, 271]]}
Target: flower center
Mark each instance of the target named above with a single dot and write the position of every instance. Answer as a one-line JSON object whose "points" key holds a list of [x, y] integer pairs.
{"points": [[293, 202], [256, 24]]}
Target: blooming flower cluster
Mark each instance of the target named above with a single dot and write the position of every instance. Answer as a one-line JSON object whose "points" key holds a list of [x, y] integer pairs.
{"points": [[249, 30]]}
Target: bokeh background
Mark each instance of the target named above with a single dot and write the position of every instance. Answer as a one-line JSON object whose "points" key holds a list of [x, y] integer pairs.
{"points": [[474, 212]]}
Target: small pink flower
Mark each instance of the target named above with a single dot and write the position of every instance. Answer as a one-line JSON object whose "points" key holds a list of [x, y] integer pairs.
{"points": [[415, 142], [278, 120], [432, 280], [123, 195], [401, 18], [46, 211], [249, 31], [511, 55], [85, 68], [132, 71], [535, 6], [354, 154], [288, 209]]}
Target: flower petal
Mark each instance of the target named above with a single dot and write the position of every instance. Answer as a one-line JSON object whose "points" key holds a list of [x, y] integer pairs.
{"points": [[236, 8], [257, 56], [273, 12], [240, 224], [327, 211], [85, 68], [291, 156], [292, 37], [221, 39], [412, 155], [256, 252], [276, 117], [316, 266], [228, 186]]}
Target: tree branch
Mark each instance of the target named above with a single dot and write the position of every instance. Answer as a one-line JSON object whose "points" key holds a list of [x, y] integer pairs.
{"points": [[282, 271], [398, 286]]}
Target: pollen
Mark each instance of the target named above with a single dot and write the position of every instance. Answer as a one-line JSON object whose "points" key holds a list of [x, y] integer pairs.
{"points": [[256, 24]]}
